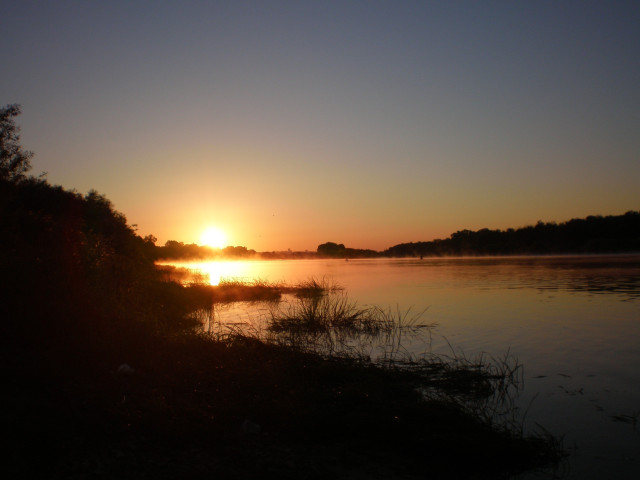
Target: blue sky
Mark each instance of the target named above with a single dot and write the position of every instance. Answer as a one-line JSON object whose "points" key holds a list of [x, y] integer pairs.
{"points": [[288, 124]]}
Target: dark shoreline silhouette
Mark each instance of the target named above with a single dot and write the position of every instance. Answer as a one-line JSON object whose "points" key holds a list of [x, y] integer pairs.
{"points": [[590, 235]]}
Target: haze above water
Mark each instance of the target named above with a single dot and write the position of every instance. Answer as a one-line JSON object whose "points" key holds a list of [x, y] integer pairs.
{"points": [[573, 322]]}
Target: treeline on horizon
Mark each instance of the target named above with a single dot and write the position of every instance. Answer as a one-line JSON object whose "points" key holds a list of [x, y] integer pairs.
{"points": [[174, 249], [590, 235]]}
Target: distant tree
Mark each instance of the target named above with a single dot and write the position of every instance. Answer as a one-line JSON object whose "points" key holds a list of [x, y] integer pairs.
{"points": [[331, 249], [238, 251], [150, 239], [14, 161], [174, 250]]}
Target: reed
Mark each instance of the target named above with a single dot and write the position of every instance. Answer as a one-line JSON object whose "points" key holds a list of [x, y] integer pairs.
{"points": [[313, 287]]}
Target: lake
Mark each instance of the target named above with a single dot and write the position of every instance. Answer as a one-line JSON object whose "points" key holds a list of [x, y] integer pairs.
{"points": [[572, 322]]}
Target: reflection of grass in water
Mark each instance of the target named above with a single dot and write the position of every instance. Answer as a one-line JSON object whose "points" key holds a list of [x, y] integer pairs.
{"points": [[631, 419]]}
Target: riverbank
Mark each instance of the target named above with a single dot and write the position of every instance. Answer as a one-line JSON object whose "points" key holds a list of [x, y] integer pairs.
{"points": [[190, 406]]}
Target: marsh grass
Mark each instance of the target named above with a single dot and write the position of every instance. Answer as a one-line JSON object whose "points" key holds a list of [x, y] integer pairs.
{"points": [[257, 290], [317, 317], [233, 290], [323, 314], [333, 325], [483, 386], [320, 319], [371, 341], [313, 287], [211, 302]]}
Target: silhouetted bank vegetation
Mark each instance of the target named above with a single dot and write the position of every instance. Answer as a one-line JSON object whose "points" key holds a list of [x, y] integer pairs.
{"points": [[174, 250], [338, 250], [105, 376], [591, 235]]}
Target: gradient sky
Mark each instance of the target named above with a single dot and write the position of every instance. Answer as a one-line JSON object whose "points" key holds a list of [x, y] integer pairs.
{"points": [[370, 123]]}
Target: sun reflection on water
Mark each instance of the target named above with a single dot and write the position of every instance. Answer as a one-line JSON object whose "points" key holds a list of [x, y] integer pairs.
{"points": [[216, 272]]}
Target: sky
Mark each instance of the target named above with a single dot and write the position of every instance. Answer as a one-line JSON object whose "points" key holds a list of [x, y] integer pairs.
{"points": [[288, 124]]}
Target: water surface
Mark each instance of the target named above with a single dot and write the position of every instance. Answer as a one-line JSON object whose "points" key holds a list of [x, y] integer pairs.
{"points": [[573, 322]]}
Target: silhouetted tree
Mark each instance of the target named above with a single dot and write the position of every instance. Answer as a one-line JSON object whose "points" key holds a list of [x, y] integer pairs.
{"points": [[150, 239], [331, 249], [174, 250], [14, 161], [594, 234]]}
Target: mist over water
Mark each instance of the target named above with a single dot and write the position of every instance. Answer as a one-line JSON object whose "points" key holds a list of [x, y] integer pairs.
{"points": [[573, 323]]}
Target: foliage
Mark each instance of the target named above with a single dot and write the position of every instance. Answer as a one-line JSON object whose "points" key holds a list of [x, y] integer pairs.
{"points": [[14, 161], [71, 269], [594, 234], [338, 250], [79, 258], [331, 249], [174, 250]]}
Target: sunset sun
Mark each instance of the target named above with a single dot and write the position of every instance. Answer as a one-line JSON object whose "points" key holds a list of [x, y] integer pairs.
{"points": [[213, 237]]}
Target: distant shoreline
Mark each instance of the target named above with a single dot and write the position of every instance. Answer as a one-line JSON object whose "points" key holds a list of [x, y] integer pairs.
{"points": [[310, 256], [593, 235]]}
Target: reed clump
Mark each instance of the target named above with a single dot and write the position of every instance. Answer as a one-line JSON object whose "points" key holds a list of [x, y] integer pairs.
{"points": [[255, 290], [323, 314], [233, 290], [332, 324], [314, 287]]}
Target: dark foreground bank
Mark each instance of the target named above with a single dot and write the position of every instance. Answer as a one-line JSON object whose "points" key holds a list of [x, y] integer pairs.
{"points": [[193, 408]]}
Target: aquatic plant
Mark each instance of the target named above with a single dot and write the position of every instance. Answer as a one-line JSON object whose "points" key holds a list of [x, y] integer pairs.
{"points": [[313, 287]]}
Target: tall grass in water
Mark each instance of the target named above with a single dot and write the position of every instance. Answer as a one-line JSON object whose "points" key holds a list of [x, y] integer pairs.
{"points": [[257, 292], [313, 287], [334, 326]]}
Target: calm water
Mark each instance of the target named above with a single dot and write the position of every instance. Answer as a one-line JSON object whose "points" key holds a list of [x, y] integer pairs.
{"points": [[573, 322]]}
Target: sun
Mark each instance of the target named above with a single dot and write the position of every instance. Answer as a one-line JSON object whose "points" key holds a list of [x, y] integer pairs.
{"points": [[213, 237]]}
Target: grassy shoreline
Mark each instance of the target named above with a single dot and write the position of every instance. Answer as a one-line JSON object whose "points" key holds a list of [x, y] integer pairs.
{"points": [[236, 407]]}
